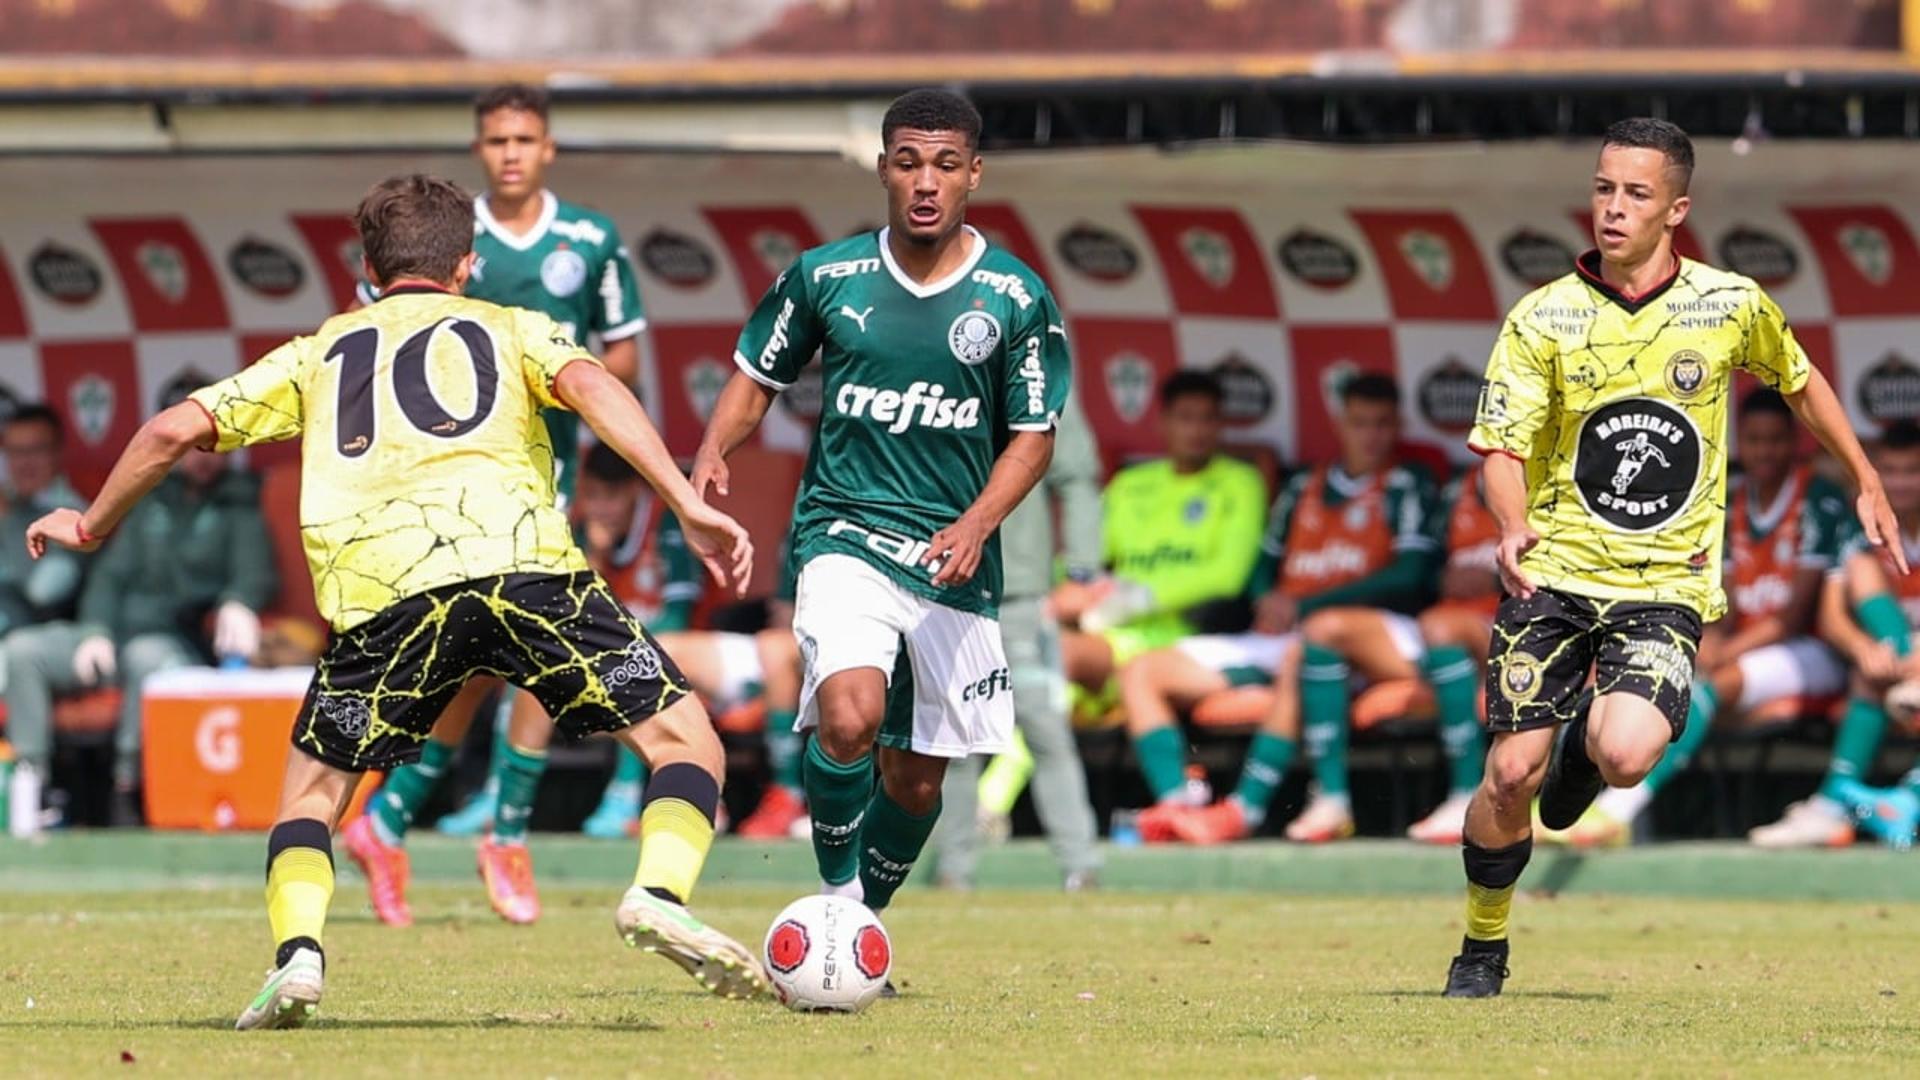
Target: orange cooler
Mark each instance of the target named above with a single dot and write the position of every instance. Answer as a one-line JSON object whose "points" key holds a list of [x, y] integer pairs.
{"points": [[215, 745]]}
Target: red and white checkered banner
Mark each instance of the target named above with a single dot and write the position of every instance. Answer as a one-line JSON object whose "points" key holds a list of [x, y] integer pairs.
{"points": [[124, 283]]}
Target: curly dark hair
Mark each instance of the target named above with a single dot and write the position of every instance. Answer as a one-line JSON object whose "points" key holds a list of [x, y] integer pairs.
{"points": [[931, 109]]}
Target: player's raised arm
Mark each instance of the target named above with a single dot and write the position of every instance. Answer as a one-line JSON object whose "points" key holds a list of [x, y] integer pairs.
{"points": [[145, 462], [1819, 409]]}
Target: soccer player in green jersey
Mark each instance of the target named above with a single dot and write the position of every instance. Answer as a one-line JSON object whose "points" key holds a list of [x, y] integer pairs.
{"points": [[536, 251], [945, 366], [1603, 421]]}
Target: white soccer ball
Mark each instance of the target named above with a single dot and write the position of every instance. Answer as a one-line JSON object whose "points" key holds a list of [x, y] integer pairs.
{"points": [[827, 954]]}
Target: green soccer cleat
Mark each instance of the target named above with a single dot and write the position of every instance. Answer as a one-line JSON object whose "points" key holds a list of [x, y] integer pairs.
{"points": [[290, 997], [715, 961]]}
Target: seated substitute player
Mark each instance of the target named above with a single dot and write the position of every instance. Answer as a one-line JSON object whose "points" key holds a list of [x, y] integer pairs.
{"points": [[1342, 536], [1870, 615], [945, 365], [1784, 527], [437, 554], [184, 585], [1177, 532], [1601, 420]]}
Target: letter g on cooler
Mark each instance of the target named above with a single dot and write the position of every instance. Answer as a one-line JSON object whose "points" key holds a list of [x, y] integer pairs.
{"points": [[216, 740]]}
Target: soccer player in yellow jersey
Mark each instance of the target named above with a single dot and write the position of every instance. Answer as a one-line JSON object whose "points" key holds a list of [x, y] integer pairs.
{"points": [[1603, 420], [427, 513]]}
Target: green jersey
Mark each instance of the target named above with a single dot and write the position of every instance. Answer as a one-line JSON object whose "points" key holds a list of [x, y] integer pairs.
{"points": [[923, 386], [1188, 537], [570, 267]]}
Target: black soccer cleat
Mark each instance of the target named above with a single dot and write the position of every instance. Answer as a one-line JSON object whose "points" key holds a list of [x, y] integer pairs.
{"points": [[1573, 781], [888, 991], [1477, 973]]}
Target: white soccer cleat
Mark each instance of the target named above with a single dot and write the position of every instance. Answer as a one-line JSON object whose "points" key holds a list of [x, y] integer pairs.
{"points": [[715, 961], [290, 997], [1446, 825], [1325, 819], [1807, 824]]}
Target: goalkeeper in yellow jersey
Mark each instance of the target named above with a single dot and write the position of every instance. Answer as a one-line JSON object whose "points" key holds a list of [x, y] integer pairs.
{"points": [[428, 518], [1603, 420]]}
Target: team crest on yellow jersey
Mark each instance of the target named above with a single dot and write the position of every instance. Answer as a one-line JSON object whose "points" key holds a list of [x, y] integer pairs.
{"points": [[1686, 373]]}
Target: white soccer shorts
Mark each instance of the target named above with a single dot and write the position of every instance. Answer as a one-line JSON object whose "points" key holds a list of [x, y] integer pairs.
{"points": [[848, 615], [741, 673], [1240, 655], [1803, 667]]}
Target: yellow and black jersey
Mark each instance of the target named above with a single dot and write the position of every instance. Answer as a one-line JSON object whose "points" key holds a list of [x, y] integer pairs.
{"points": [[1618, 406], [424, 461]]}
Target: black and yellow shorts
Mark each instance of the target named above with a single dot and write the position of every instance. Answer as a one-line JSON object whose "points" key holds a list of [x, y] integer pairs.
{"points": [[564, 638], [1543, 647]]}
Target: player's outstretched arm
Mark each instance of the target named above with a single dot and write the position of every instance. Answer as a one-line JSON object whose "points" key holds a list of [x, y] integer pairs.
{"points": [[145, 462], [743, 404], [1819, 409], [610, 409], [954, 552]]}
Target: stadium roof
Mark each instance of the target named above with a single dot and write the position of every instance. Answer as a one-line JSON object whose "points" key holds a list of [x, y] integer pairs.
{"points": [[1102, 73], [1029, 102]]}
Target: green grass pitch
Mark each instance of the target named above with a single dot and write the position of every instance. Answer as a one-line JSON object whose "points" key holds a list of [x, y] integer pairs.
{"points": [[997, 983]]}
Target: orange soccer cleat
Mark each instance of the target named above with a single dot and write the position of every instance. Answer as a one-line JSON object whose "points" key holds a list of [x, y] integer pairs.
{"points": [[1156, 822], [507, 871], [774, 818], [1222, 823], [385, 867]]}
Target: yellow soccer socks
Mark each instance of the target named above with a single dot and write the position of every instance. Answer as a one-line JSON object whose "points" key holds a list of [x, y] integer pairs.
{"points": [[299, 884], [676, 829]]}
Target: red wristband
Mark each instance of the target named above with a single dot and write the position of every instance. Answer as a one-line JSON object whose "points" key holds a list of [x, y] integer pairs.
{"points": [[80, 530]]}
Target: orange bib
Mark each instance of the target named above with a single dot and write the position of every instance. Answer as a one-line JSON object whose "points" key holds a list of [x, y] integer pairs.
{"points": [[1764, 566], [1328, 547]]}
